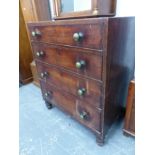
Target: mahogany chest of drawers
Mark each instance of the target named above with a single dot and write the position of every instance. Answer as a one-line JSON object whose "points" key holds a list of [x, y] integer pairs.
{"points": [[85, 66]]}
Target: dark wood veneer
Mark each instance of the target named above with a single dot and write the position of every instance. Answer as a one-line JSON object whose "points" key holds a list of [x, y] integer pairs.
{"points": [[120, 65], [72, 106], [109, 53], [71, 83], [67, 58], [62, 33]]}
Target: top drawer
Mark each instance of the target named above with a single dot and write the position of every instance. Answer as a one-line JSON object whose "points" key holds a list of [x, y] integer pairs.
{"points": [[88, 34]]}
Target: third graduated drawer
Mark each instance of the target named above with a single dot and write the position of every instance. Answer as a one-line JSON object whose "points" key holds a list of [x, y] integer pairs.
{"points": [[81, 61], [83, 88]]}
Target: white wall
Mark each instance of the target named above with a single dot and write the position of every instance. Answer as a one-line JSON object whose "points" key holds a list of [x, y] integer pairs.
{"points": [[125, 8], [80, 5]]}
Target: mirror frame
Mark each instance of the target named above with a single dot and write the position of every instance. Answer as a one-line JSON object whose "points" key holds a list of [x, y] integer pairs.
{"points": [[98, 8]]}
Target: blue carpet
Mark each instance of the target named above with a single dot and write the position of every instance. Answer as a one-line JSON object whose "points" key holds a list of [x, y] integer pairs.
{"points": [[52, 132]]}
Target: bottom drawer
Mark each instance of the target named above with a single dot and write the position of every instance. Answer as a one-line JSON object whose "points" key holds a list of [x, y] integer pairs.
{"points": [[80, 110]]}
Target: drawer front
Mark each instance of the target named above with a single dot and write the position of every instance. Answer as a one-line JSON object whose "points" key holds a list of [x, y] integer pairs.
{"points": [[62, 100], [88, 116], [81, 35], [83, 89], [85, 114], [71, 59]]}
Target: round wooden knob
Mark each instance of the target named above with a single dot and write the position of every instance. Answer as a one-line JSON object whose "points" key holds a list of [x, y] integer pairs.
{"points": [[47, 94], [80, 64], [78, 36], [35, 33], [83, 115], [81, 91], [43, 74]]}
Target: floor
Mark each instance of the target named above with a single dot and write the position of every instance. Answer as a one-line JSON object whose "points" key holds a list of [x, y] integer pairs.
{"points": [[52, 132]]}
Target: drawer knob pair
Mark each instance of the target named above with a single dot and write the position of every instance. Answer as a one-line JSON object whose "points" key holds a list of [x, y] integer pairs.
{"points": [[44, 74], [84, 115], [36, 33], [40, 54], [81, 91], [78, 36], [80, 64]]}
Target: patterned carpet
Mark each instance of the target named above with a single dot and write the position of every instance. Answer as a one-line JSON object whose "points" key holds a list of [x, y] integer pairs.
{"points": [[52, 132]]}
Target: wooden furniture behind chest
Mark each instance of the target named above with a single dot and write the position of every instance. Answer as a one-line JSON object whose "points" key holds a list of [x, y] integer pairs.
{"points": [[30, 10], [129, 126], [25, 54], [84, 67]]}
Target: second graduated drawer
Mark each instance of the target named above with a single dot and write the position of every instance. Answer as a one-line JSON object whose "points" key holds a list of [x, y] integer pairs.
{"points": [[83, 62], [84, 89]]}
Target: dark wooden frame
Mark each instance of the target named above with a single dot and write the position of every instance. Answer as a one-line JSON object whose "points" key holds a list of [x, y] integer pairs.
{"points": [[98, 8]]}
